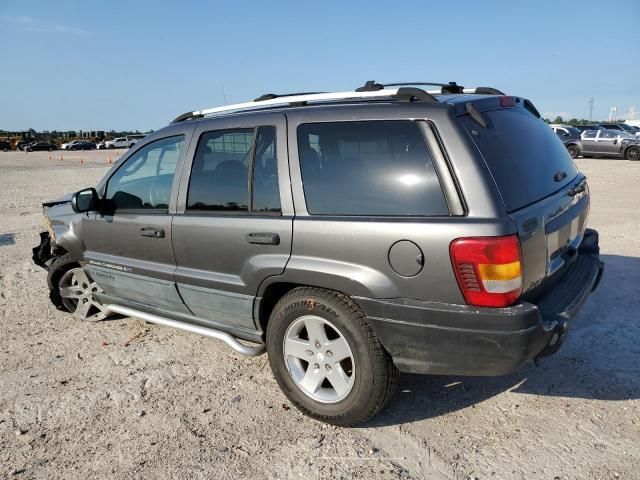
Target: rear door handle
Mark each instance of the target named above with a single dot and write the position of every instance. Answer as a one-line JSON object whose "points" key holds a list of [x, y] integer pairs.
{"points": [[152, 232], [263, 238]]}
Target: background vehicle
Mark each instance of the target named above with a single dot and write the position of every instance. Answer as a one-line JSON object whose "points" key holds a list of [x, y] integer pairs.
{"points": [[40, 147], [620, 127], [5, 146], [332, 231], [610, 143], [21, 144], [81, 145], [564, 131], [123, 142], [66, 146], [584, 128]]}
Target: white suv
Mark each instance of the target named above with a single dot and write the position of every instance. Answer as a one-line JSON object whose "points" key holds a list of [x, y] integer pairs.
{"points": [[123, 142]]}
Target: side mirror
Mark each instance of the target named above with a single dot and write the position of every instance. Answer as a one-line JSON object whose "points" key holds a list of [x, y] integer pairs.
{"points": [[85, 200]]}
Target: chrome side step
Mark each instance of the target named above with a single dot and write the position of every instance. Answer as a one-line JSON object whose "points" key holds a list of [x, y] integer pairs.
{"points": [[233, 342]]}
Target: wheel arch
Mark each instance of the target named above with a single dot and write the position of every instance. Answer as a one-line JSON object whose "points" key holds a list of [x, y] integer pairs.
{"points": [[348, 279]]}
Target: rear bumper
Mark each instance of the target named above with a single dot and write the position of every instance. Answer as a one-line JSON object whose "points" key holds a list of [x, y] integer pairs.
{"points": [[430, 337]]}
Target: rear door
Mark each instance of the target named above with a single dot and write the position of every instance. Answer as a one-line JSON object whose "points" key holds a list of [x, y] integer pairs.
{"points": [[128, 245], [233, 226], [608, 142], [540, 187]]}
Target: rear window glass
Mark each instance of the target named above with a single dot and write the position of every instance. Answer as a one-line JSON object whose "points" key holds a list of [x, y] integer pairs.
{"points": [[368, 168], [523, 155]]}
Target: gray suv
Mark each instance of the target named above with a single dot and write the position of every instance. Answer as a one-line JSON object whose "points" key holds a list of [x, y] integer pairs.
{"points": [[351, 235]]}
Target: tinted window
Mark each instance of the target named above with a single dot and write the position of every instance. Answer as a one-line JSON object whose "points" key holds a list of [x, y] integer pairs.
{"points": [[368, 168], [589, 134], [266, 195], [144, 181], [522, 154], [219, 176], [608, 134]]}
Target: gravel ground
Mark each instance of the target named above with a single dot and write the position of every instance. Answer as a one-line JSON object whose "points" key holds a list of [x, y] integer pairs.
{"points": [[123, 399]]}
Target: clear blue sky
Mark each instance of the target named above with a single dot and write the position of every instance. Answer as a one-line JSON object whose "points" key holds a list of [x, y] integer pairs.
{"points": [[136, 65]]}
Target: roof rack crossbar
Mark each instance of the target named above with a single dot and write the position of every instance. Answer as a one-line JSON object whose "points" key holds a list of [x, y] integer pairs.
{"points": [[400, 94], [271, 96]]}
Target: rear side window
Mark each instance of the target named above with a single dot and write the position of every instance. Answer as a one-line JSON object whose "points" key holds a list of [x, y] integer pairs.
{"points": [[222, 167], [368, 168], [522, 154]]}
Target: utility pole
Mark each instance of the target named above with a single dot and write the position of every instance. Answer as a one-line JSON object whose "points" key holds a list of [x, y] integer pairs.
{"points": [[590, 104]]}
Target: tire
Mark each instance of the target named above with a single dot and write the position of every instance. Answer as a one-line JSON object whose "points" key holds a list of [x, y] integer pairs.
{"points": [[573, 150], [369, 371], [131, 146], [633, 153], [57, 268]]}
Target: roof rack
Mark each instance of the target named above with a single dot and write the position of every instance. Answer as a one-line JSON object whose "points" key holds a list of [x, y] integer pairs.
{"points": [[271, 100], [445, 88]]}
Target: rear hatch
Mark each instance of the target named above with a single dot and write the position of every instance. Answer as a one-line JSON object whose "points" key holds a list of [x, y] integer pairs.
{"points": [[539, 184]]}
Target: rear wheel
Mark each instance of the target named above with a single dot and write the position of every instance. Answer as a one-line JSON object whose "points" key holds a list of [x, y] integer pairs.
{"points": [[573, 150], [326, 357], [633, 153]]}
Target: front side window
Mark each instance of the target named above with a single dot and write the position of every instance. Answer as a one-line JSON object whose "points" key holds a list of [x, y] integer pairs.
{"points": [[221, 170], [590, 134], [144, 181], [368, 168]]}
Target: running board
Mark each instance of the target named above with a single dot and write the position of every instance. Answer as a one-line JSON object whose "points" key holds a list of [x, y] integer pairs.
{"points": [[204, 331]]}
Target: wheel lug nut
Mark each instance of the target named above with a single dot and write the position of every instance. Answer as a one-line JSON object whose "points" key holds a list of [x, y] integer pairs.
{"points": [[328, 367], [317, 344], [309, 353], [329, 353], [316, 366]]}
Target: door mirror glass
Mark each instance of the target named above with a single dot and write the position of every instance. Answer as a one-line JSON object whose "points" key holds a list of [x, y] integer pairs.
{"points": [[85, 200]]}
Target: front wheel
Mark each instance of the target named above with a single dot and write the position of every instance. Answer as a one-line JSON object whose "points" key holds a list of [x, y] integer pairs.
{"points": [[573, 150], [633, 153], [326, 357]]}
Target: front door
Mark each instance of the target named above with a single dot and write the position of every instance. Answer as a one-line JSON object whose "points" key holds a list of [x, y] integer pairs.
{"points": [[128, 244], [233, 225]]}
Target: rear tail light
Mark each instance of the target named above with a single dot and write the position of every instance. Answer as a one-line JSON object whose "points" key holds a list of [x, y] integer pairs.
{"points": [[488, 269]]}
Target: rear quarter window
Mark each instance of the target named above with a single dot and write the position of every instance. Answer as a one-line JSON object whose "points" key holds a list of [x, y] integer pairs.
{"points": [[522, 154], [368, 168]]}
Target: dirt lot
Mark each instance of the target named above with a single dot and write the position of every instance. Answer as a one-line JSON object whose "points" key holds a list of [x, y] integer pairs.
{"points": [[123, 399]]}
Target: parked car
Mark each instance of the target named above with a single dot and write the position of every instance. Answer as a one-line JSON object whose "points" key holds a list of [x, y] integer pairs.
{"points": [[22, 144], [621, 127], [67, 146], [5, 146], [123, 142], [584, 128], [610, 143], [40, 147], [564, 131], [344, 235], [82, 145]]}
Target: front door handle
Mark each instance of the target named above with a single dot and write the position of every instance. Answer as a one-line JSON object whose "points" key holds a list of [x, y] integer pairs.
{"points": [[152, 232], [263, 238]]}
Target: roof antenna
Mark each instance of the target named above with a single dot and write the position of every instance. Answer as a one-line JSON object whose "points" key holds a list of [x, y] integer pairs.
{"points": [[224, 95]]}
